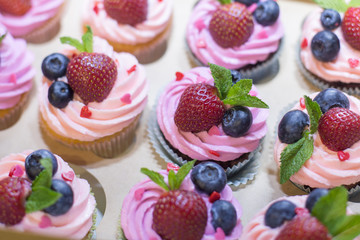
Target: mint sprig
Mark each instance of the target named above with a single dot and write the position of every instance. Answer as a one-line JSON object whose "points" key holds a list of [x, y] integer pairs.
{"points": [[338, 5], [87, 41], [224, 1], [2, 37], [174, 179]]}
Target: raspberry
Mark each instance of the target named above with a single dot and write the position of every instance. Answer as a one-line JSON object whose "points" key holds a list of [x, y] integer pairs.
{"points": [[129, 12], [15, 7], [350, 27]]}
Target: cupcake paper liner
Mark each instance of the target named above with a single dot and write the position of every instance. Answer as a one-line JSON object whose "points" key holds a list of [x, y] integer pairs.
{"points": [[14, 113]]}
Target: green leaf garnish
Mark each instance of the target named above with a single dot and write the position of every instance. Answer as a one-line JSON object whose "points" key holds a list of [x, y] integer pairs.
{"points": [[2, 37], [222, 79], [338, 5], [155, 177], [44, 178], [182, 172], [87, 41], [246, 100], [225, 1], [314, 113], [354, 3]]}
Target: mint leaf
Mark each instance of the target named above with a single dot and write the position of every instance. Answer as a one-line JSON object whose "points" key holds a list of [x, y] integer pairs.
{"points": [[2, 37], [45, 176], [172, 180], [225, 1], [87, 39], [183, 172], [338, 5], [246, 100], [354, 3], [40, 198], [314, 112], [222, 78], [242, 87], [73, 42], [350, 228], [155, 177]]}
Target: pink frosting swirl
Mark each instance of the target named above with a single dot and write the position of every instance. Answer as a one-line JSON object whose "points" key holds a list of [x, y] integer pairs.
{"points": [[334, 71], [16, 71], [324, 169], [198, 145], [159, 15], [76, 223], [264, 40], [40, 12], [109, 116], [138, 206]]}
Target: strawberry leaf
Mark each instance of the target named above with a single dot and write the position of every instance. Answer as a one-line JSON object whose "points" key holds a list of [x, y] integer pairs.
{"points": [[222, 78], [314, 112], [338, 5], [155, 177], [354, 3], [85, 46]]}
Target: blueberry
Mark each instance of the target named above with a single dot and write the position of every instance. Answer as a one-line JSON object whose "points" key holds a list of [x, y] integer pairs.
{"points": [[224, 216], [54, 66], [292, 126], [330, 98], [33, 166], [325, 46], [266, 13], [208, 177], [64, 203], [247, 2], [60, 94], [235, 76], [330, 19], [237, 121], [314, 197], [279, 212]]}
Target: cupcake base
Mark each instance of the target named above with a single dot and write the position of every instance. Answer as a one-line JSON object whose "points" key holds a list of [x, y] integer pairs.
{"points": [[10, 116]]}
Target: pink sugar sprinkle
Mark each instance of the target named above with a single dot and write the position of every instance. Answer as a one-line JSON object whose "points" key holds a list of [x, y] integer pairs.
{"points": [[219, 235], [16, 171], [200, 43], [126, 98], [262, 34], [132, 69], [171, 166], [252, 7], [45, 222], [179, 76], [215, 153], [68, 176], [199, 24], [343, 156], [139, 193], [304, 43], [302, 103], [214, 130], [13, 78], [353, 62]]}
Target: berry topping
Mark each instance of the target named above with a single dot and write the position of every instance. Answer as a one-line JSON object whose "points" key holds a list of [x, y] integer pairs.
{"points": [[132, 69], [60, 94], [13, 192], [304, 43], [247, 2], [292, 126], [330, 19], [224, 216], [343, 156], [353, 62], [279, 212], [235, 76], [65, 202], [15, 7], [85, 112], [314, 196], [33, 166], [54, 66], [237, 121], [214, 196], [179, 76], [351, 27], [339, 128], [208, 177], [231, 25], [266, 13], [129, 12], [325, 46], [330, 98]]}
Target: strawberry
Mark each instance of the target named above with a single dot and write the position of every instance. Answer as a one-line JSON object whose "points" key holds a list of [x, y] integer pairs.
{"points": [[91, 76], [13, 192], [15, 7], [339, 128], [231, 25], [129, 12], [350, 27], [199, 108], [304, 227], [180, 214]]}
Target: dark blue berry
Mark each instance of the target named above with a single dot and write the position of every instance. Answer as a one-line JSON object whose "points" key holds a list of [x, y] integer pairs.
{"points": [[325, 46], [208, 177], [279, 212], [292, 126], [314, 197], [237, 121], [235, 76], [33, 166], [266, 13], [330, 98], [224, 216], [64, 203], [54, 66], [330, 19], [60, 94], [247, 2]]}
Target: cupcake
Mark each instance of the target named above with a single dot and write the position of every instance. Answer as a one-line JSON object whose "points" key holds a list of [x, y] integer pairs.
{"points": [[321, 215], [16, 76], [41, 194], [329, 51], [92, 99], [203, 116], [36, 21], [248, 41], [140, 27], [324, 155], [150, 211]]}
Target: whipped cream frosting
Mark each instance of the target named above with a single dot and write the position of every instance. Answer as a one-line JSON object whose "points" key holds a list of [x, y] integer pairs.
{"points": [[324, 169], [40, 12], [264, 40], [200, 145], [159, 14], [74, 224], [16, 71], [334, 71], [138, 207], [109, 116]]}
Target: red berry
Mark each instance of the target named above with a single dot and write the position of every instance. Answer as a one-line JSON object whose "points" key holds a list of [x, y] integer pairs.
{"points": [[304, 227], [85, 112], [339, 128], [91, 76], [231, 25], [351, 27], [199, 108], [129, 12], [15, 7], [180, 214], [13, 192]]}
